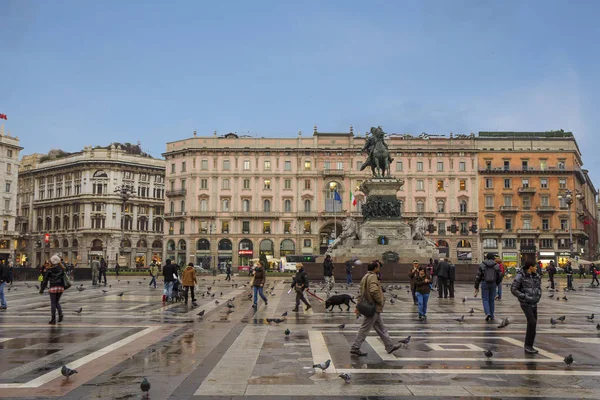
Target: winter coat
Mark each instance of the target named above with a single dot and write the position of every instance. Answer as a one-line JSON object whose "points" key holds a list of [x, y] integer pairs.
{"points": [[452, 273], [370, 289], [443, 269], [328, 267], [95, 266], [569, 269], [53, 276], [154, 270], [188, 276], [259, 276], [168, 271], [421, 286], [527, 288], [301, 279], [481, 272], [3, 273], [349, 267], [412, 274], [551, 271]]}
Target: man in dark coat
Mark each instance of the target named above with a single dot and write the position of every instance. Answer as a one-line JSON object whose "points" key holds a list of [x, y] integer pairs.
{"points": [[443, 274], [527, 287]]}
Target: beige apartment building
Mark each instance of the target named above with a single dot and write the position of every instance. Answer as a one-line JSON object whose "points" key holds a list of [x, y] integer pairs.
{"points": [[105, 202], [232, 197], [9, 171]]}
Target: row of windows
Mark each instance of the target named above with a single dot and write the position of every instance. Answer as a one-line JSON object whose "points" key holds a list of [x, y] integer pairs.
{"points": [[526, 165], [226, 245], [527, 224], [525, 201], [99, 175], [507, 183], [511, 243], [97, 222], [246, 166], [304, 227], [462, 166]]}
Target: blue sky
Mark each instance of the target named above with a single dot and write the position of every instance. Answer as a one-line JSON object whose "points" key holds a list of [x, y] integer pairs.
{"points": [[77, 73]]}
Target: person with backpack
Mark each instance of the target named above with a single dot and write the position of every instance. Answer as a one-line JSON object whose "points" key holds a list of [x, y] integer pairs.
{"points": [[488, 276], [594, 271], [527, 287], [498, 261]]}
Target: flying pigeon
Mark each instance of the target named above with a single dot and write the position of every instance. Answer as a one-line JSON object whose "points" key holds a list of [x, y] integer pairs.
{"points": [[323, 366], [201, 313], [488, 353], [345, 377], [79, 311], [342, 326], [504, 323], [145, 386], [461, 319], [287, 332], [590, 318], [405, 341], [67, 372], [568, 360]]}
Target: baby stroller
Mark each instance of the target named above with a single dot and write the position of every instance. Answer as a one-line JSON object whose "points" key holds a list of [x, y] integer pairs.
{"points": [[178, 291]]}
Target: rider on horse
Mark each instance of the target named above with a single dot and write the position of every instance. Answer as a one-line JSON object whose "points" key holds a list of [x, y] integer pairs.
{"points": [[371, 141]]}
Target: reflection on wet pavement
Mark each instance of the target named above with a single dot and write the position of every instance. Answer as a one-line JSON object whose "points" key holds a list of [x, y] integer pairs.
{"points": [[116, 341]]}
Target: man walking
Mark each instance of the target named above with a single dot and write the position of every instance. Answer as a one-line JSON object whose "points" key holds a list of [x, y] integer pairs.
{"points": [[154, 270], [3, 279], [527, 287], [228, 271], [95, 270], [594, 272], [300, 283], [569, 272], [551, 268], [581, 271], [371, 291], [498, 261], [488, 275], [328, 275], [102, 270], [349, 267], [443, 273], [170, 276]]}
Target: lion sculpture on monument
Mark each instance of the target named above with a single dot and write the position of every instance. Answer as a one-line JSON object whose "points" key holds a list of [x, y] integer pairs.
{"points": [[419, 227], [349, 231]]}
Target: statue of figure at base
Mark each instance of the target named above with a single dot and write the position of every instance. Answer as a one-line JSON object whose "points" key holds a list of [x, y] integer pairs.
{"points": [[349, 231]]}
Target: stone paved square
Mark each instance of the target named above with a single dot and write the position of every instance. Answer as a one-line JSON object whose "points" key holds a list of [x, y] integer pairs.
{"points": [[116, 341]]}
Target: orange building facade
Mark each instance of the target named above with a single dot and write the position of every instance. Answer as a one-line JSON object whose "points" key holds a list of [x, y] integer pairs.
{"points": [[523, 212]]}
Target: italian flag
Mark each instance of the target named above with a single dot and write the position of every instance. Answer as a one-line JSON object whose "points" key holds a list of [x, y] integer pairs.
{"points": [[352, 199]]}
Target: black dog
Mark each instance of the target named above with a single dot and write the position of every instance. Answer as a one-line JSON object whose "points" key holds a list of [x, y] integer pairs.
{"points": [[338, 300]]}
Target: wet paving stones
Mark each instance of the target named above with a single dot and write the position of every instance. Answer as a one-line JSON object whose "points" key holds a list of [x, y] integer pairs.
{"points": [[116, 341]]}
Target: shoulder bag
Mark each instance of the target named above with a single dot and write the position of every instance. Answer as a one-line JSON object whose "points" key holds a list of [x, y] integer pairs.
{"points": [[364, 306]]}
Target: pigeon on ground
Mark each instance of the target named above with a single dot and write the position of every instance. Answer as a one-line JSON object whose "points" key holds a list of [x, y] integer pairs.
{"points": [[208, 288], [342, 326], [598, 327], [201, 313], [284, 314], [67, 372], [37, 287], [212, 295], [551, 296], [504, 323], [287, 332], [79, 311], [323, 366], [140, 282], [202, 295], [217, 302], [405, 341], [145, 386], [488, 353], [104, 291], [250, 296], [392, 301], [121, 294], [565, 298], [345, 377], [561, 318], [568, 360], [464, 300], [558, 299], [277, 320], [553, 322], [128, 282], [461, 319], [590, 318], [471, 311], [221, 294], [229, 305], [80, 289]]}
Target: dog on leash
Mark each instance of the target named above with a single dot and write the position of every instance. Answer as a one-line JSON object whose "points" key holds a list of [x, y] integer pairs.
{"points": [[338, 300]]}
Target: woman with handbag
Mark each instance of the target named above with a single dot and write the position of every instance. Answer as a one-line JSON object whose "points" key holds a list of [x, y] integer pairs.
{"points": [[57, 281], [259, 283], [371, 306]]}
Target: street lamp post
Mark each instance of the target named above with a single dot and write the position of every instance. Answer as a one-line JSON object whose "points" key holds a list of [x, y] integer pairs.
{"points": [[568, 197], [125, 192]]}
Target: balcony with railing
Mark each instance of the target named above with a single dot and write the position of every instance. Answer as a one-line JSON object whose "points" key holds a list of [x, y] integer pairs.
{"points": [[509, 209], [491, 230], [179, 214], [176, 193], [333, 172], [308, 214], [202, 214], [526, 189], [257, 214], [529, 231], [546, 209]]}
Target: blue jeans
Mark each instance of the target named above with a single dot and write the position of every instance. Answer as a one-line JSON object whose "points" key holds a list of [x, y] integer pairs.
{"points": [[499, 288], [169, 289], [2, 298], [488, 293], [348, 279], [153, 281], [422, 299], [258, 290]]}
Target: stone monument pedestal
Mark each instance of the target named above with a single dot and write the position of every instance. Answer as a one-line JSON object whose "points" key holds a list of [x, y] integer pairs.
{"points": [[383, 231]]}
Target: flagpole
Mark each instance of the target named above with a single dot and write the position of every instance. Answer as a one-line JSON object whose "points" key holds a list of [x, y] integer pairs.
{"points": [[334, 214]]}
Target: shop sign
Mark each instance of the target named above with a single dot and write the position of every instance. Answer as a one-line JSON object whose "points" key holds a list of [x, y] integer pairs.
{"points": [[509, 257], [547, 254], [245, 252]]}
